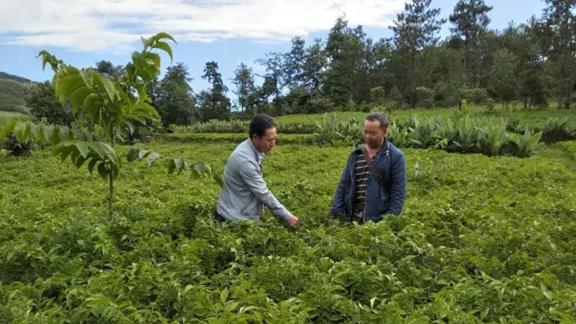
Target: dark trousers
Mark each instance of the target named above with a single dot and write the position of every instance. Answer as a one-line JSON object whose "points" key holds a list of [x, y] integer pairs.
{"points": [[219, 217]]}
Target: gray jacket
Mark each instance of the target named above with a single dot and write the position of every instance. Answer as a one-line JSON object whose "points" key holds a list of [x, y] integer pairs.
{"points": [[244, 190]]}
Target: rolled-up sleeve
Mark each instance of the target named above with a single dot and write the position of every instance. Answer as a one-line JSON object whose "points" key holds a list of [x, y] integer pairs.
{"points": [[250, 173]]}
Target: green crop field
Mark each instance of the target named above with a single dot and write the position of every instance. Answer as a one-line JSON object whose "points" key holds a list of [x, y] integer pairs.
{"points": [[481, 239], [6, 115]]}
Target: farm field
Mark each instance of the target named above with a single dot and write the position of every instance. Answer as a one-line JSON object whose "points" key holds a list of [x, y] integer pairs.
{"points": [[480, 239]]}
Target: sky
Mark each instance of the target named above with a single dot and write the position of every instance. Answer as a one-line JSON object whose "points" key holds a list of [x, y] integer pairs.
{"points": [[230, 32]]}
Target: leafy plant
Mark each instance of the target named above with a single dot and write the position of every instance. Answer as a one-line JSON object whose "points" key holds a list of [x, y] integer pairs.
{"points": [[116, 106]]}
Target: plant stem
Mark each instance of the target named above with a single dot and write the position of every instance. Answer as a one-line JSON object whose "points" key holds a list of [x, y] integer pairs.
{"points": [[111, 176]]}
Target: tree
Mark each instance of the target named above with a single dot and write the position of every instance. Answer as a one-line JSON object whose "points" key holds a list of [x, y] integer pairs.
{"points": [[213, 104], [112, 105], [111, 71], [558, 29], [522, 41], [470, 21], [273, 78], [414, 29], [173, 96], [245, 87], [503, 77], [345, 52], [294, 62], [314, 64], [44, 105]]}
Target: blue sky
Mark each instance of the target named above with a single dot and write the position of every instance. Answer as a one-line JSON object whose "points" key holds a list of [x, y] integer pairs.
{"points": [[226, 31]]}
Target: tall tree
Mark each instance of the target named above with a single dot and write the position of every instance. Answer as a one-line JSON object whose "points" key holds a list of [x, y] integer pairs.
{"points": [[344, 51], [414, 29], [559, 41], [245, 87], [111, 71], [470, 21], [44, 104], [214, 104], [173, 97], [531, 66], [503, 76], [313, 66], [294, 62], [273, 78]]}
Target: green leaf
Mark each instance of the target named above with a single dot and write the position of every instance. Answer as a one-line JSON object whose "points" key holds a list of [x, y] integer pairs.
{"points": [[78, 97], [142, 154], [103, 170], [224, 295], [83, 148], [8, 128], [163, 35], [201, 169], [108, 86], [165, 47], [91, 165], [133, 155], [152, 157]]}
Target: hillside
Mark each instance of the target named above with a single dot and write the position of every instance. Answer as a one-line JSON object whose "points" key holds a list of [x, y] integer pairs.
{"points": [[13, 91]]}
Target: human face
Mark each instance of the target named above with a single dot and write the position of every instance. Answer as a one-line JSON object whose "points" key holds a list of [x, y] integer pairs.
{"points": [[265, 143], [374, 135]]}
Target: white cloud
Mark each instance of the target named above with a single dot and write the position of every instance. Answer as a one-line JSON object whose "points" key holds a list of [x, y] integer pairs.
{"points": [[102, 24]]}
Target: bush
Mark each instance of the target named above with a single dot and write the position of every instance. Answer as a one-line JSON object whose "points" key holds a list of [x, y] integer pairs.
{"points": [[16, 148], [474, 95], [424, 97]]}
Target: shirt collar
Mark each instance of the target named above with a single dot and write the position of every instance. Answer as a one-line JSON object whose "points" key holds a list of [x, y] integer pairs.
{"points": [[259, 155]]}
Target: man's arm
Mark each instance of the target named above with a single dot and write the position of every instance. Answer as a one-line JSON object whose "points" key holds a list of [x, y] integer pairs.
{"points": [[397, 185]]}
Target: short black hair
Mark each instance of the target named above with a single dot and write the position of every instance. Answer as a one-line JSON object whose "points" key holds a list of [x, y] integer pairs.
{"points": [[259, 124], [378, 117]]}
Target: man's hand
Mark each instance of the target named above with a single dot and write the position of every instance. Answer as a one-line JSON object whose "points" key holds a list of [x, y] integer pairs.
{"points": [[293, 221]]}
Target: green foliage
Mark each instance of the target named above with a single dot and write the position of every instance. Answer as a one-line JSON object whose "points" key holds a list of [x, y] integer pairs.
{"points": [[173, 97], [44, 105], [478, 242], [330, 131], [13, 92], [213, 104], [115, 105], [424, 97], [22, 137], [98, 155], [474, 95]]}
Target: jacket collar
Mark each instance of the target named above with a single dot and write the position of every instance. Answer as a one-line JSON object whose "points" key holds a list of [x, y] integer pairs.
{"points": [[383, 150]]}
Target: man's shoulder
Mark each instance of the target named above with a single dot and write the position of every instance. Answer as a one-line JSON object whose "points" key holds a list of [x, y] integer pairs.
{"points": [[394, 150], [242, 154]]}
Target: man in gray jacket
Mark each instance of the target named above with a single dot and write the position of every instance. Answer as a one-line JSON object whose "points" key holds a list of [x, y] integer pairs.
{"points": [[244, 191]]}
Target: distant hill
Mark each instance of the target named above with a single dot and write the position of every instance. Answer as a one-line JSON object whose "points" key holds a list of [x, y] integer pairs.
{"points": [[13, 91]]}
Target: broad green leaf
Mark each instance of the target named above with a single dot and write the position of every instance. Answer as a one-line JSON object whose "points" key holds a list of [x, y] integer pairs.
{"points": [[165, 47], [83, 148], [152, 157], [108, 86], [78, 97], [103, 170], [8, 128], [163, 35], [132, 155], [142, 154], [91, 165]]}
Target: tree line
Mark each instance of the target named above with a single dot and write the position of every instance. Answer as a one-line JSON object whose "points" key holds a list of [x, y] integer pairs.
{"points": [[533, 62]]}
